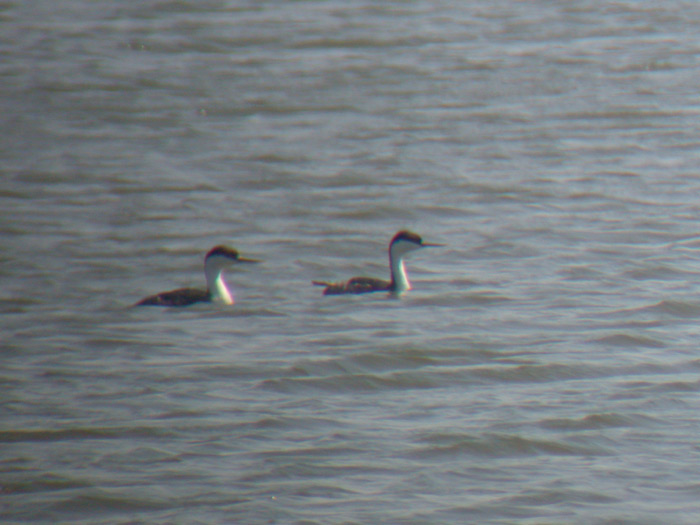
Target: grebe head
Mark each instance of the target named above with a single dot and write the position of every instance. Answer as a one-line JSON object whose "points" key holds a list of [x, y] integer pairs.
{"points": [[222, 256], [405, 242], [216, 260]]}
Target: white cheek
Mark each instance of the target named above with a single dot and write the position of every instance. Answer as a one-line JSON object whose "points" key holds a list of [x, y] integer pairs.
{"points": [[403, 247]]}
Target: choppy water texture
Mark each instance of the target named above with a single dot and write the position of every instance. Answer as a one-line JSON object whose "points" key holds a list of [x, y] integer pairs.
{"points": [[544, 369]]}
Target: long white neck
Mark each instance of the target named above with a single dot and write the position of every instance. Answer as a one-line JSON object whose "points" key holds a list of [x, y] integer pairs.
{"points": [[216, 284], [399, 277]]}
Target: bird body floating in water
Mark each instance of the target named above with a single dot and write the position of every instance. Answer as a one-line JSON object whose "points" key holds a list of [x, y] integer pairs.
{"points": [[215, 262], [403, 243]]}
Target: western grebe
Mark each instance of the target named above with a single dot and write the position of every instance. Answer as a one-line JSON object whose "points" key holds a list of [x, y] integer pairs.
{"points": [[215, 262], [401, 245]]}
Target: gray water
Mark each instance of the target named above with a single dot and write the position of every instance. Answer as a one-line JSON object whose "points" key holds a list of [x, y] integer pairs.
{"points": [[544, 369]]}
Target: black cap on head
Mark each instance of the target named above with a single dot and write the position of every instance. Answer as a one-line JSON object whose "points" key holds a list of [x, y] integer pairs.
{"points": [[405, 235], [223, 251]]}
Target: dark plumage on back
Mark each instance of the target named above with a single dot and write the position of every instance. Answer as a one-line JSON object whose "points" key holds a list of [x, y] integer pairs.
{"points": [[179, 297], [355, 285]]}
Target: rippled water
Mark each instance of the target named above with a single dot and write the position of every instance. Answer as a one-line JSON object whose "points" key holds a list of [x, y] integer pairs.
{"points": [[545, 367]]}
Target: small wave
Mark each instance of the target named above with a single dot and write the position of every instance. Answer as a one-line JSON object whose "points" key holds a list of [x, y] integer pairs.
{"points": [[47, 482], [433, 377], [264, 424], [22, 436], [537, 373], [547, 497], [143, 456], [664, 387], [452, 299], [657, 271], [596, 421], [102, 500], [627, 340], [502, 445], [353, 382], [675, 309], [366, 362]]}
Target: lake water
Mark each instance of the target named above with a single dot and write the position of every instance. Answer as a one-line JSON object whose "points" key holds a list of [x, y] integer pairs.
{"points": [[544, 369]]}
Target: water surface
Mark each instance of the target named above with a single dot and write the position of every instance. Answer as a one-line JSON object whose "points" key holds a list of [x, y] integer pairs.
{"points": [[543, 369]]}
